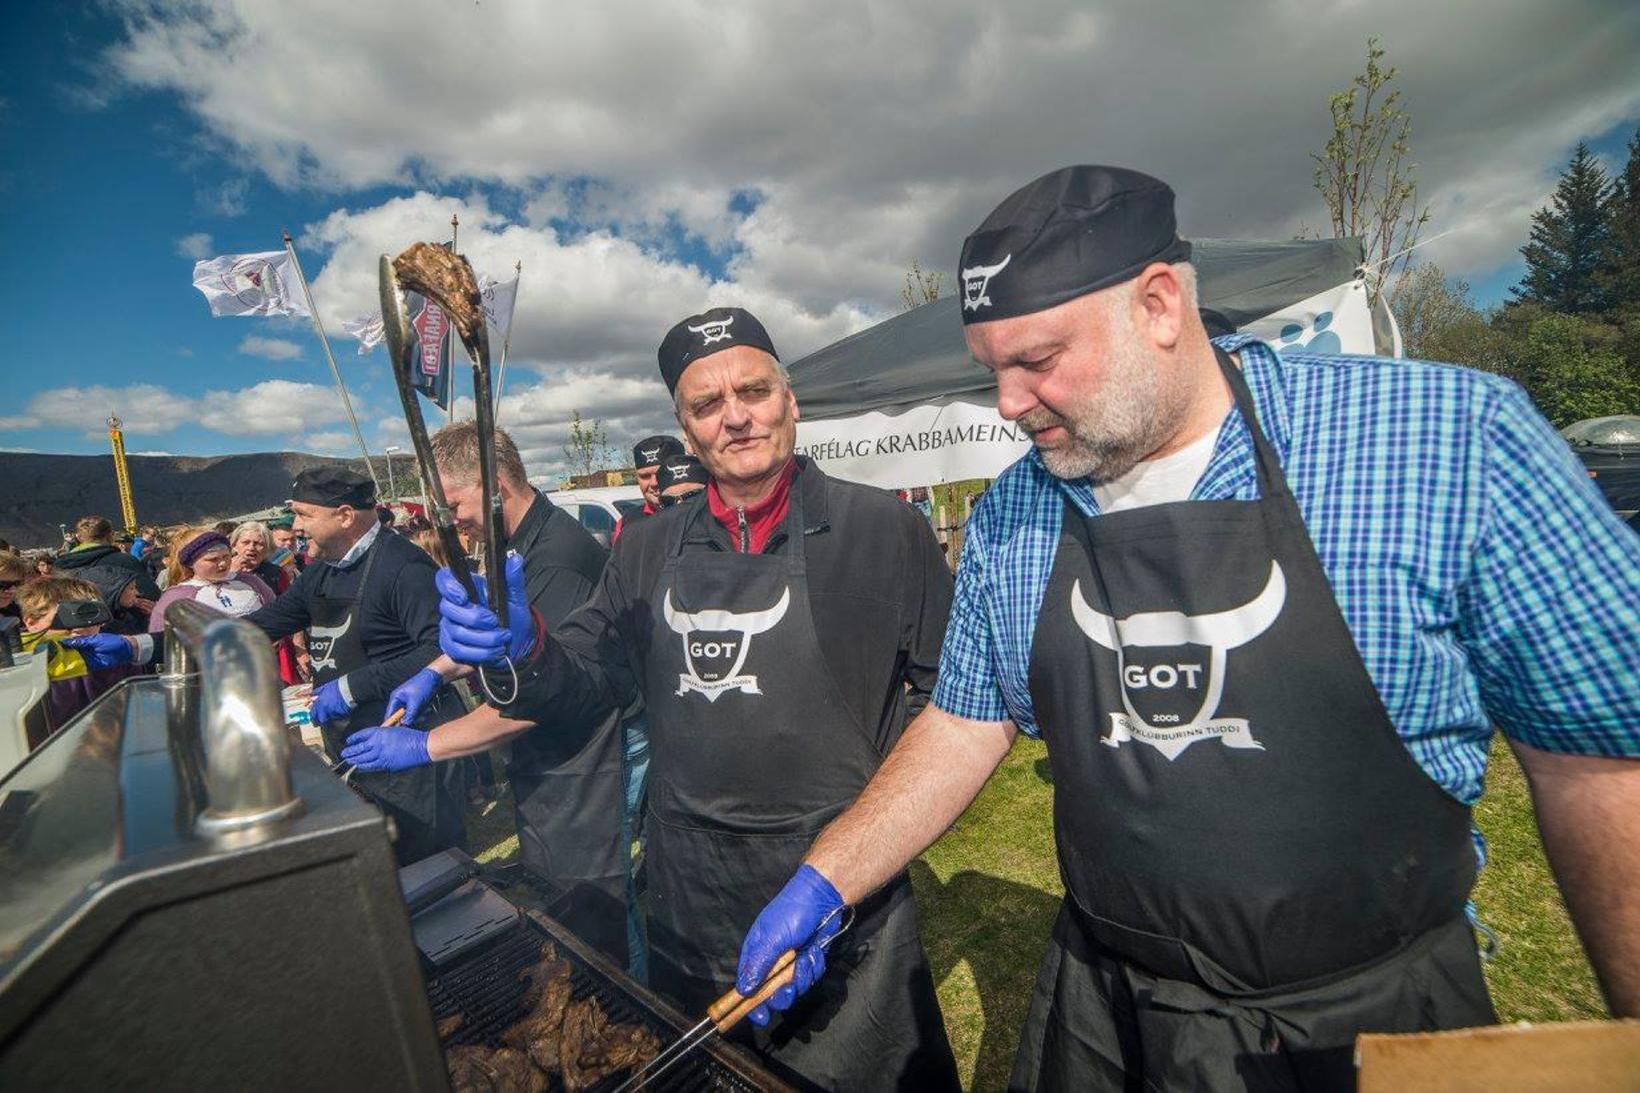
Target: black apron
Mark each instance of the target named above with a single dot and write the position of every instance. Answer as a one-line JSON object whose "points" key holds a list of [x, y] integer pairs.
{"points": [[569, 795], [569, 798], [428, 818], [752, 752], [1255, 866]]}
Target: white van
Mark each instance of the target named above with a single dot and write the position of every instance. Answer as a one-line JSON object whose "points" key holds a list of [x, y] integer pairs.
{"points": [[599, 507]]}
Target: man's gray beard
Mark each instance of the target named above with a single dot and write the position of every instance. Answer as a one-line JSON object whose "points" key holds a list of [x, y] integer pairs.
{"points": [[1110, 432]]}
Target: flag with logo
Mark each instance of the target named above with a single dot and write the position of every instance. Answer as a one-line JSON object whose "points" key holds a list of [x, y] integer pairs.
{"points": [[367, 329], [250, 284], [429, 346], [498, 297]]}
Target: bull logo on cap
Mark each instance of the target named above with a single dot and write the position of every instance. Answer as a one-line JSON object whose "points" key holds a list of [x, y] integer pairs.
{"points": [[1172, 667], [715, 645], [650, 454], [716, 330], [976, 279]]}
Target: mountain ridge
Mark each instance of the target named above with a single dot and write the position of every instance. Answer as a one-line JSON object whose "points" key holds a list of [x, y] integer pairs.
{"points": [[40, 491]]}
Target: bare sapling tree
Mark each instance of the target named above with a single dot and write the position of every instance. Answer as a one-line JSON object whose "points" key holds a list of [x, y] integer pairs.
{"points": [[920, 288], [588, 449], [1365, 178]]}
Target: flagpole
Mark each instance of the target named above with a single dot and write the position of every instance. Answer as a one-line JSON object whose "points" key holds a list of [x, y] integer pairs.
{"points": [[506, 340], [450, 374], [347, 403]]}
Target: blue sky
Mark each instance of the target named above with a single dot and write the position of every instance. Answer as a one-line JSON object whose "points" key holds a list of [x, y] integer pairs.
{"points": [[635, 194]]}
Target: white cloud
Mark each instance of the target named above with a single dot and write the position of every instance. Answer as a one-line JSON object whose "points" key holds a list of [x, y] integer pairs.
{"points": [[270, 408], [333, 442], [274, 349], [196, 246], [227, 199], [872, 133], [814, 153], [593, 302]]}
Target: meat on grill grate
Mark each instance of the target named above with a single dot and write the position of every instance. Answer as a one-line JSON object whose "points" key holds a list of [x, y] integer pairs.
{"points": [[503, 1070], [594, 1048], [496, 990], [550, 987]]}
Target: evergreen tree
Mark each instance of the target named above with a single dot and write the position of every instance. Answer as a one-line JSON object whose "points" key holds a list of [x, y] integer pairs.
{"points": [[1620, 282], [1567, 254]]}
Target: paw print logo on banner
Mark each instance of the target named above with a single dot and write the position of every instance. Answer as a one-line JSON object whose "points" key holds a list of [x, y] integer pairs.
{"points": [[1314, 337]]}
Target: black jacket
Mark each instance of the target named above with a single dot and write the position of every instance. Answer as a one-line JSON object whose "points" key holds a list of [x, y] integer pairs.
{"points": [[874, 568], [562, 561], [398, 612], [562, 564], [111, 581], [104, 555]]}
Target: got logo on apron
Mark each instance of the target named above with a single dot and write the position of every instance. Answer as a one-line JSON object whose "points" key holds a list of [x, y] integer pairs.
{"points": [[715, 644], [1172, 668], [322, 643]]}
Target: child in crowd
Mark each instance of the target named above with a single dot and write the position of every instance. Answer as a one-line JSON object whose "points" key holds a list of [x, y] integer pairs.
{"points": [[73, 687]]}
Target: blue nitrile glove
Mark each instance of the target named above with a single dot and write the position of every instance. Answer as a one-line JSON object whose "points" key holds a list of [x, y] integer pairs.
{"points": [[101, 650], [469, 633], [792, 920], [329, 704], [411, 695], [383, 748]]}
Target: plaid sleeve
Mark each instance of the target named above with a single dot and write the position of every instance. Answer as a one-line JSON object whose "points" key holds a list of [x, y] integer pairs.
{"points": [[967, 685], [1552, 620]]}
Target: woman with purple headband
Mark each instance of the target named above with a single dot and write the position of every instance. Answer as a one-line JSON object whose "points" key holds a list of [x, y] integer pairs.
{"points": [[202, 570]]}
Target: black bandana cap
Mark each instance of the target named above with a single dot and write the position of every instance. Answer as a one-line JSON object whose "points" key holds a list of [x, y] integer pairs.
{"points": [[333, 487], [652, 451], [707, 333], [1071, 232], [682, 468]]}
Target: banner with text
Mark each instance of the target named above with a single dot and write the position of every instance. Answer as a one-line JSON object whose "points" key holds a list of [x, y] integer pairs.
{"points": [[919, 446]]}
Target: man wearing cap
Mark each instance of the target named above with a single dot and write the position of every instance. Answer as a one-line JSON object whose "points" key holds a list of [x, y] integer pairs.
{"points": [[779, 626], [680, 478], [371, 612], [1265, 611], [282, 530], [566, 771], [647, 456]]}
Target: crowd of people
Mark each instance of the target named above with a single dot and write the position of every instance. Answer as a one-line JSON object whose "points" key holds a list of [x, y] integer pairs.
{"points": [[1267, 610]]}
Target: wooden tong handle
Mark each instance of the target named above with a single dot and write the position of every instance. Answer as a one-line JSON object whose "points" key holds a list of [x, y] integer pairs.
{"points": [[395, 718], [731, 1009]]}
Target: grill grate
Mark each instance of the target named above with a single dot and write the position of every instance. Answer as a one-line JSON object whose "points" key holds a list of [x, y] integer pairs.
{"points": [[485, 989]]}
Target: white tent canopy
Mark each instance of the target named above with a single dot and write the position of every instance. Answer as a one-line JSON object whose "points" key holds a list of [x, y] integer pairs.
{"points": [[902, 403]]}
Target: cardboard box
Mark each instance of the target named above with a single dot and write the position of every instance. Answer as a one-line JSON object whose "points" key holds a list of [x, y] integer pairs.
{"points": [[1587, 1056]]}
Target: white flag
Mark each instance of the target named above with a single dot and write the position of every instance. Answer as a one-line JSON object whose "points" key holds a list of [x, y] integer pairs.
{"points": [[250, 284], [498, 297], [366, 328]]}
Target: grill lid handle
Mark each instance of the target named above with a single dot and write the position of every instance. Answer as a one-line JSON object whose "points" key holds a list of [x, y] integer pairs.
{"points": [[241, 717]]}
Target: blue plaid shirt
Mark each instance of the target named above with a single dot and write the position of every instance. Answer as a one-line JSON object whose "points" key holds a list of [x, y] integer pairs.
{"points": [[1484, 578]]}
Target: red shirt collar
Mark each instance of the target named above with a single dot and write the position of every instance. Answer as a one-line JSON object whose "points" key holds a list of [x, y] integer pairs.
{"points": [[761, 518]]}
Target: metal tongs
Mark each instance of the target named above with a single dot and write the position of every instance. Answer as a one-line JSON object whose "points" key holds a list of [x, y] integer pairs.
{"points": [[447, 280], [729, 1010]]}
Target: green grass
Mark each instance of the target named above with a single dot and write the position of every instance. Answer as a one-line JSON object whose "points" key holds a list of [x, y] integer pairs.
{"points": [[988, 892], [1540, 973]]}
